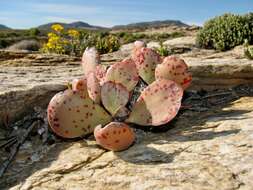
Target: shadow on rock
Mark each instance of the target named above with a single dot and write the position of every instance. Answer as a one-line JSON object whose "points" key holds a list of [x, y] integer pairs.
{"points": [[191, 125]]}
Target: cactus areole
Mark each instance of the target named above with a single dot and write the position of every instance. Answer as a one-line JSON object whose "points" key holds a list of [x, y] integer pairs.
{"points": [[96, 102]]}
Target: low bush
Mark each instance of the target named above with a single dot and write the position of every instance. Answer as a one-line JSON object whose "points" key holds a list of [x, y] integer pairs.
{"points": [[163, 50], [74, 42], [248, 50], [226, 31]]}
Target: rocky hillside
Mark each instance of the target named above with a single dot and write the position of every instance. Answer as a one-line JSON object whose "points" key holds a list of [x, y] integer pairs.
{"points": [[79, 25], [132, 26], [3, 27], [151, 24]]}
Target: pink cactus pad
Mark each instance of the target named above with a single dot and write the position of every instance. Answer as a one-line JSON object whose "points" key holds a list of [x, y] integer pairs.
{"points": [[173, 68], [137, 47], [79, 84], [101, 73], [73, 114], [93, 87], [146, 61], [114, 96], [90, 60], [125, 73], [115, 136], [122, 112], [139, 44], [157, 104]]}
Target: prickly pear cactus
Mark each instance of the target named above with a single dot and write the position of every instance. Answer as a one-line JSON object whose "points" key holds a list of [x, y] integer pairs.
{"points": [[73, 114], [78, 110], [173, 68], [115, 136], [125, 73], [157, 104], [101, 73], [93, 87], [137, 46], [146, 61], [122, 113], [90, 60], [79, 84], [114, 96]]}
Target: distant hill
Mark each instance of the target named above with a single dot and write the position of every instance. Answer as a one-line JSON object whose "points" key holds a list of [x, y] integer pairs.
{"points": [[3, 27], [132, 26], [78, 24], [151, 24]]}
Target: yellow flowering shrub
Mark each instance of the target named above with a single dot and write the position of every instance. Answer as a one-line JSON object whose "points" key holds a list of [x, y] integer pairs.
{"points": [[73, 33], [57, 27], [56, 43], [74, 42]]}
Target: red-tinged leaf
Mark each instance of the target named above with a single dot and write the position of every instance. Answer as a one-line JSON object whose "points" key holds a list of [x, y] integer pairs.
{"points": [[125, 73], [94, 88], [146, 61], [158, 104], [72, 114], [114, 96], [174, 69], [115, 136]]}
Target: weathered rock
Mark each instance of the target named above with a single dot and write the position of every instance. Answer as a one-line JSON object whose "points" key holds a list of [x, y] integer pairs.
{"points": [[16, 104], [181, 41], [220, 73], [212, 151], [23, 88], [35, 59]]}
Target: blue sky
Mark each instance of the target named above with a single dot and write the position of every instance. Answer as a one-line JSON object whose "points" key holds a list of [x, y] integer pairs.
{"points": [[31, 13]]}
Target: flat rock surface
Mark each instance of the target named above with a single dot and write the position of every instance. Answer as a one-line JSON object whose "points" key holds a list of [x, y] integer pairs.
{"points": [[209, 150]]}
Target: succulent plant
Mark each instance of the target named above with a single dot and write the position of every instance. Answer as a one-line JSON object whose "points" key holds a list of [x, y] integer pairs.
{"points": [[125, 73], [90, 60], [115, 136], [173, 68], [106, 96], [114, 96], [93, 87], [157, 104], [79, 84], [73, 114], [146, 60], [100, 73]]}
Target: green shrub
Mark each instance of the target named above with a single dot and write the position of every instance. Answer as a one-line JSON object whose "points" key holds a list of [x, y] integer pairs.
{"points": [[33, 32], [163, 50], [248, 50], [226, 31], [177, 34], [107, 44], [3, 43]]}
